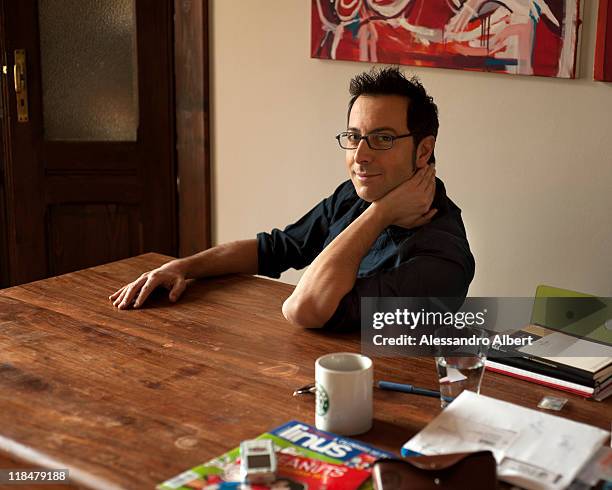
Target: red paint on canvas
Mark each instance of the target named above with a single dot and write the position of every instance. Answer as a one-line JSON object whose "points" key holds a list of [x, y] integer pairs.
{"points": [[531, 37], [603, 49]]}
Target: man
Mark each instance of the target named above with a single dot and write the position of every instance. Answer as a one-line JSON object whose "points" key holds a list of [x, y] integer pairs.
{"points": [[388, 231]]}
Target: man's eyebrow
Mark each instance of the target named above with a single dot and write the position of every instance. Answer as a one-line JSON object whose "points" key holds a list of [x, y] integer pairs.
{"points": [[375, 130]]}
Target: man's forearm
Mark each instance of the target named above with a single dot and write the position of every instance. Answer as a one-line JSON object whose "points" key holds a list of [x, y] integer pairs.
{"points": [[228, 258], [332, 274]]}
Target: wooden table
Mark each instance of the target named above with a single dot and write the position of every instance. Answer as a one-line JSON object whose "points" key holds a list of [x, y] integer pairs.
{"points": [[127, 399]]}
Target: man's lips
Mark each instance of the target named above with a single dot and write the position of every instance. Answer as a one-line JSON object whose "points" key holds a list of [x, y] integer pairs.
{"points": [[361, 177]]}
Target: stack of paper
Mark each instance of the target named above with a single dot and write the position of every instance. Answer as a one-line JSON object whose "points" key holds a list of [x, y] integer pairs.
{"points": [[534, 450]]}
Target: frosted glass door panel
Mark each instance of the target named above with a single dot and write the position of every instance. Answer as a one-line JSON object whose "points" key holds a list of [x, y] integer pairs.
{"points": [[89, 69]]}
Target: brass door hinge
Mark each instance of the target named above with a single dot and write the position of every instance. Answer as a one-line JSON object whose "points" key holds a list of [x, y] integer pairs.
{"points": [[20, 76]]}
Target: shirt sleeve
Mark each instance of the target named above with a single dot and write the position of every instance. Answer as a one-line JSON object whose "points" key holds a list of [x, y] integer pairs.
{"points": [[421, 276], [297, 245]]}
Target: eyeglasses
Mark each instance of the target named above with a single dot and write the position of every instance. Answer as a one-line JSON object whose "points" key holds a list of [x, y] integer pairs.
{"points": [[349, 140]]}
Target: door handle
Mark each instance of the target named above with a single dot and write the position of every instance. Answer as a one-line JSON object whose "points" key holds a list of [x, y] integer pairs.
{"points": [[21, 85]]}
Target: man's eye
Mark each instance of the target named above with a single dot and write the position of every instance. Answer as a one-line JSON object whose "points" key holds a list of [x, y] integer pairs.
{"points": [[383, 138], [353, 137]]}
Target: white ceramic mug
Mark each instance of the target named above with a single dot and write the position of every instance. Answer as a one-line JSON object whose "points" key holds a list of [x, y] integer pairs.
{"points": [[344, 393]]}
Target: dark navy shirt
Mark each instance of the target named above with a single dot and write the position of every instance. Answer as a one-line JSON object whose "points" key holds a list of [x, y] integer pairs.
{"points": [[433, 260]]}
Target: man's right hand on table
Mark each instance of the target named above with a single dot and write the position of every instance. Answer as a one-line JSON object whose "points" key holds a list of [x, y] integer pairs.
{"points": [[169, 276], [229, 258]]}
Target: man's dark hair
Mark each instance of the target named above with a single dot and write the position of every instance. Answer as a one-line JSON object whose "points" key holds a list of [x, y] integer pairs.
{"points": [[422, 111]]}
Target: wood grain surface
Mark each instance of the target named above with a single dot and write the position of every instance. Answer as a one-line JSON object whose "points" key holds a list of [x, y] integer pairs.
{"points": [[127, 399]]}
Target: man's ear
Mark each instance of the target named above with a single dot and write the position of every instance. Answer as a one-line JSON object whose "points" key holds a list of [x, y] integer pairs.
{"points": [[424, 151]]}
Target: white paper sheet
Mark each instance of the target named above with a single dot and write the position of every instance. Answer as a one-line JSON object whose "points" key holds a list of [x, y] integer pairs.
{"points": [[533, 449]]}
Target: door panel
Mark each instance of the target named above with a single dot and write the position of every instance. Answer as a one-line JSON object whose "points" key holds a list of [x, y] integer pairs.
{"points": [[91, 177], [77, 231]]}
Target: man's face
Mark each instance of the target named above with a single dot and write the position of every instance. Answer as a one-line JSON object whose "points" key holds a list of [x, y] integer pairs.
{"points": [[375, 172]]}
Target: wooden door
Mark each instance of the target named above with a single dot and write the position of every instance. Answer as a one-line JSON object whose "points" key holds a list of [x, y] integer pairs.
{"points": [[90, 176]]}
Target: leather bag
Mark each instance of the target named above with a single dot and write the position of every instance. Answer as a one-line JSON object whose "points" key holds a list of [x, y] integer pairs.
{"points": [[457, 471]]}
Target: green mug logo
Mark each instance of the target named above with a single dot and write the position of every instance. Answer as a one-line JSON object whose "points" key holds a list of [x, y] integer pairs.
{"points": [[322, 400]]}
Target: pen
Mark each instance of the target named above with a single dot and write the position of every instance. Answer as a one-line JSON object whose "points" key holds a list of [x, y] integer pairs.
{"points": [[384, 385], [388, 385], [308, 389]]}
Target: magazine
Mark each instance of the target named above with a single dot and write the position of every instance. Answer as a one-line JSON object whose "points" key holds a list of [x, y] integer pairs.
{"points": [[307, 459]]}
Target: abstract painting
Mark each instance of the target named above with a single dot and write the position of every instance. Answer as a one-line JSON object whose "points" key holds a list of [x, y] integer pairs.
{"points": [[603, 48], [526, 37]]}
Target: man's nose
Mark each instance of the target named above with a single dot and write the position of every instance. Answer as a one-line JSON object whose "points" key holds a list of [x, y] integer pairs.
{"points": [[363, 153]]}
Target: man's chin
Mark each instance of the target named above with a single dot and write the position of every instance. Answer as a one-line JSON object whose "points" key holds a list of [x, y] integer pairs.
{"points": [[367, 193]]}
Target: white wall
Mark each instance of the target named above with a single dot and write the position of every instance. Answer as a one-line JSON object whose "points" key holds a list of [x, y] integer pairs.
{"points": [[528, 159]]}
